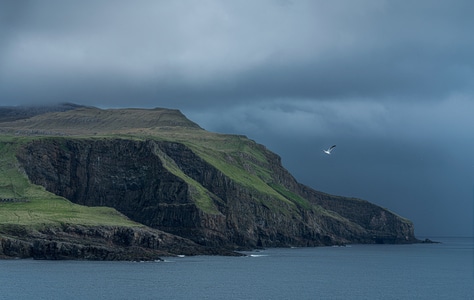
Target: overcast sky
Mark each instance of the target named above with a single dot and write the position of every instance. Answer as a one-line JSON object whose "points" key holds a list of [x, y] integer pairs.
{"points": [[391, 83]]}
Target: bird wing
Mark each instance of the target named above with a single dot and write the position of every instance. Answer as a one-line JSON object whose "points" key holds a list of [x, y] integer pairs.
{"points": [[328, 151]]}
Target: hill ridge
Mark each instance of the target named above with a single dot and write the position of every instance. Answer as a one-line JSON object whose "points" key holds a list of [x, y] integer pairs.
{"points": [[164, 171], [79, 120]]}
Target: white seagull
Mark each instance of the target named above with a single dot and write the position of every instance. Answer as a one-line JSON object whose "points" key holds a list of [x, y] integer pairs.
{"points": [[329, 150]]}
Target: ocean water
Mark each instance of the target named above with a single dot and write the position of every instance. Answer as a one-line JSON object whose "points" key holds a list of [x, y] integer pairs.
{"points": [[420, 271]]}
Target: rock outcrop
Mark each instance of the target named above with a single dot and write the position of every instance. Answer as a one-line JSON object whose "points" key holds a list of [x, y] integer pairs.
{"points": [[130, 176], [96, 243]]}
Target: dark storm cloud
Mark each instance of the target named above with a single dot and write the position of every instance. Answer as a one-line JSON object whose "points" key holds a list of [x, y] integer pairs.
{"points": [[213, 50], [390, 82]]}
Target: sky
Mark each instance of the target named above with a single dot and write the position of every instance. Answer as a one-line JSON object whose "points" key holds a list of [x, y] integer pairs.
{"points": [[391, 83]]}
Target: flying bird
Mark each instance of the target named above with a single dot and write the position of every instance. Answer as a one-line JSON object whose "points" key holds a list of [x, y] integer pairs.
{"points": [[328, 151]]}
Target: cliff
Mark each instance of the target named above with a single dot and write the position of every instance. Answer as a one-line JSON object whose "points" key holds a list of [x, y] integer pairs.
{"points": [[221, 192]]}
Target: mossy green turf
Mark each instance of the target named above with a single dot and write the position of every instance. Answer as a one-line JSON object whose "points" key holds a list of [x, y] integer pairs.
{"points": [[198, 193]]}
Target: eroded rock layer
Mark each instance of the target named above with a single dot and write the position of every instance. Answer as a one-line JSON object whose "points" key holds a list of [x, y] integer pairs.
{"points": [[135, 177]]}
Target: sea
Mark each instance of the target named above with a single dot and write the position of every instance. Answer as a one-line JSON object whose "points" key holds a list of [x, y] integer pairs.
{"points": [[417, 271]]}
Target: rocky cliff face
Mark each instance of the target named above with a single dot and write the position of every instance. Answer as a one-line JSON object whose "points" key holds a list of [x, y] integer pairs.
{"points": [[132, 176]]}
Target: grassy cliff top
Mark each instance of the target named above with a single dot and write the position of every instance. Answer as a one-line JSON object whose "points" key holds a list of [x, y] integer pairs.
{"points": [[226, 152], [93, 121]]}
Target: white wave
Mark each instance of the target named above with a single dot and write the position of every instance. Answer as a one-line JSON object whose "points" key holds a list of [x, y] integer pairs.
{"points": [[257, 255]]}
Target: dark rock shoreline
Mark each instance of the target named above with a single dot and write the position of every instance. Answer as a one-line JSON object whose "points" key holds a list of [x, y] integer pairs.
{"points": [[73, 242]]}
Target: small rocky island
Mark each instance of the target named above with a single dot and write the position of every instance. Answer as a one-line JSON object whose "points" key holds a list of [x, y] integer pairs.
{"points": [[137, 184]]}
